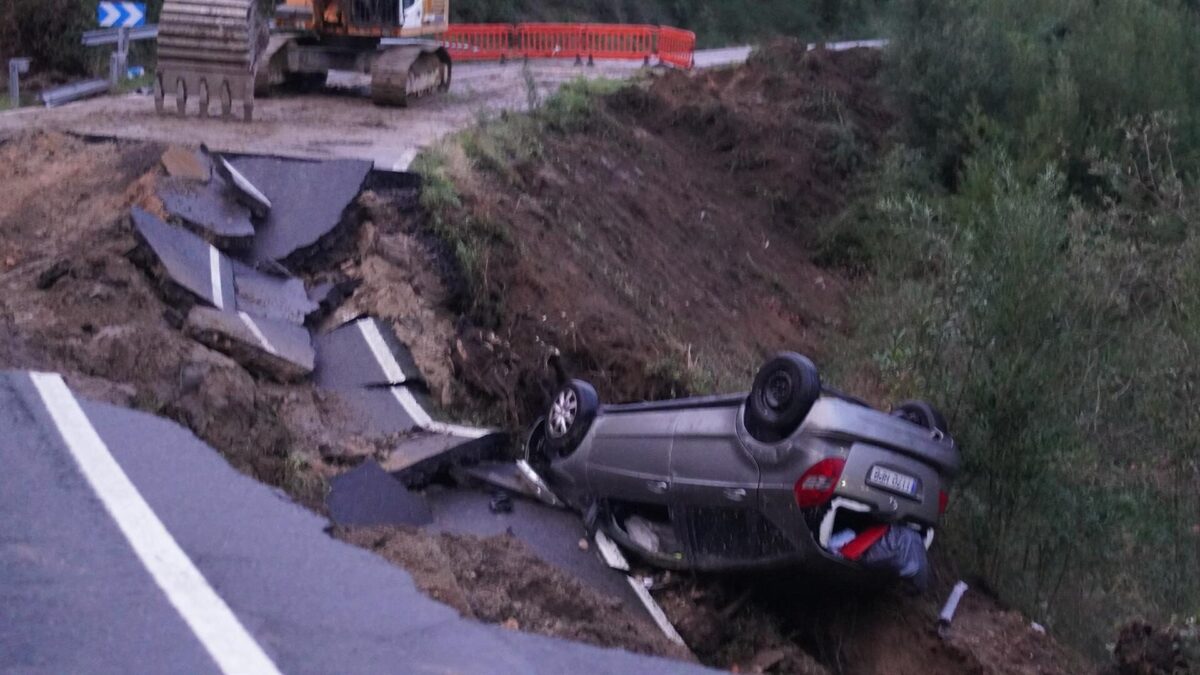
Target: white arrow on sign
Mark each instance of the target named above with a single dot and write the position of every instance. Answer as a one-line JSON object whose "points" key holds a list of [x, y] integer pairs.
{"points": [[133, 14], [109, 14]]}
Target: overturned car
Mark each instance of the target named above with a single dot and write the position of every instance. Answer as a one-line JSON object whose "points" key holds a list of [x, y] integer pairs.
{"points": [[791, 473]]}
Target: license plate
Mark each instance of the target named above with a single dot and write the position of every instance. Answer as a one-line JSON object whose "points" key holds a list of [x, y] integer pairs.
{"points": [[893, 480]]}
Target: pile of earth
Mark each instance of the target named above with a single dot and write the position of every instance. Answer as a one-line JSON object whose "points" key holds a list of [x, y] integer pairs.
{"points": [[663, 250]]}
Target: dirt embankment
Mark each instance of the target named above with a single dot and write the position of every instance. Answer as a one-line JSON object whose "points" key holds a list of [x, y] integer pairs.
{"points": [[662, 250]]}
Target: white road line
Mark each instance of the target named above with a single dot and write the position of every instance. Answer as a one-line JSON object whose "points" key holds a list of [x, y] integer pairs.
{"points": [[393, 373], [615, 559], [407, 401], [422, 419], [610, 553], [258, 334], [215, 625], [379, 349], [214, 271]]}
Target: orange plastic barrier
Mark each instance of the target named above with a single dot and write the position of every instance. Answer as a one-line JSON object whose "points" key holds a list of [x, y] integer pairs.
{"points": [[603, 41], [677, 47], [498, 42], [550, 40], [478, 42]]}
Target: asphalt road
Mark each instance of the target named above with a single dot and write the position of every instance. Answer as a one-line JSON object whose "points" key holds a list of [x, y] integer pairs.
{"points": [[332, 125], [127, 545]]}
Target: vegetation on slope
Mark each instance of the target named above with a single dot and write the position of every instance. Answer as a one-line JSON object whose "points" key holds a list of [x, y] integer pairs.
{"points": [[1034, 252]]}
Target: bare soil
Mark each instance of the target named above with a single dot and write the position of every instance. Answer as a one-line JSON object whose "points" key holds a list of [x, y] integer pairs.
{"points": [[664, 250], [499, 580]]}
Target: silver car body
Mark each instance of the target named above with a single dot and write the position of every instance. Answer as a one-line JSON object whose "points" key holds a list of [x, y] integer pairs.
{"points": [[731, 498]]}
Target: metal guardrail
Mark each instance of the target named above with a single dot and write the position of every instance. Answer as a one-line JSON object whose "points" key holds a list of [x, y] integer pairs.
{"points": [[849, 44], [112, 36], [74, 91]]}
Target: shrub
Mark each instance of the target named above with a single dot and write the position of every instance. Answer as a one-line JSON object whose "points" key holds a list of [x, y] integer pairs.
{"points": [[1057, 336], [1057, 76]]}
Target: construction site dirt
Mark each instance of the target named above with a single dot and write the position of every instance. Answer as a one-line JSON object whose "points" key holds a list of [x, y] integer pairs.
{"points": [[635, 253], [291, 125]]}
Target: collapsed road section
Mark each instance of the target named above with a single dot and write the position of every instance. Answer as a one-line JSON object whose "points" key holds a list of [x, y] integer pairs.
{"points": [[407, 466], [178, 562]]}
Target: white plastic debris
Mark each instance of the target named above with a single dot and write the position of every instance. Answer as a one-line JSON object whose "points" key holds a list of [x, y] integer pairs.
{"points": [[1037, 628], [951, 605]]}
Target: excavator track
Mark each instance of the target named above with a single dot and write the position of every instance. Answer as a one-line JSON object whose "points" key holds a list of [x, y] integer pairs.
{"points": [[402, 73], [208, 49]]}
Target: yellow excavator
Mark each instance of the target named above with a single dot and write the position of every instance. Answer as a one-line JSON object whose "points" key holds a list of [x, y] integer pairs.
{"points": [[226, 50]]}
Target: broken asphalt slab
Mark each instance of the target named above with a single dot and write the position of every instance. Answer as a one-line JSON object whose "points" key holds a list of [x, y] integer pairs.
{"points": [[311, 603], [362, 353], [417, 458], [368, 495], [208, 206], [245, 191], [307, 200], [272, 296], [280, 350], [188, 261]]}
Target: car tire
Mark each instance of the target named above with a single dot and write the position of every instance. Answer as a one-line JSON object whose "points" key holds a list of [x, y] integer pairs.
{"points": [[570, 416], [535, 444], [921, 414], [785, 389]]}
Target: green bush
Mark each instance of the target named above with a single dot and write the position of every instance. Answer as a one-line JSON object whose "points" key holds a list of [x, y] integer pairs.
{"points": [[1059, 337], [1057, 76]]}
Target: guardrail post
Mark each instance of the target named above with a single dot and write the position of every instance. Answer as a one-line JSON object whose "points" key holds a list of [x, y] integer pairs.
{"points": [[119, 60], [15, 68]]}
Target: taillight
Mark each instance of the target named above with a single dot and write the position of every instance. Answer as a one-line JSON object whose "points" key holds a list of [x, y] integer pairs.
{"points": [[943, 501], [817, 484]]}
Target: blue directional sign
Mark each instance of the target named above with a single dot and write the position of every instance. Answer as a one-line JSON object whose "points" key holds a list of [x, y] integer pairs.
{"points": [[113, 14]]}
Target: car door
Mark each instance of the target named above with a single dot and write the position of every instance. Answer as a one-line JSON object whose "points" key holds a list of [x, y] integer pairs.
{"points": [[630, 457], [714, 485]]}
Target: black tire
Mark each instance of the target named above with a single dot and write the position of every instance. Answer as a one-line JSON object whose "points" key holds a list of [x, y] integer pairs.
{"points": [[570, 416], [535, 444], [784, 390], [921, 414]]}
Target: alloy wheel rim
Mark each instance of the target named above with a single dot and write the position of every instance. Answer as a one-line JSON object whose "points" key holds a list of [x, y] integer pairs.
{"points": [[563, 412]]}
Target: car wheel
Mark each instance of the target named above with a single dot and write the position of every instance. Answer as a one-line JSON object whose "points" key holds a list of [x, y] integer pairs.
{"points": [[921, 414], [535, 444], [784, 390], [571, 413]]}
